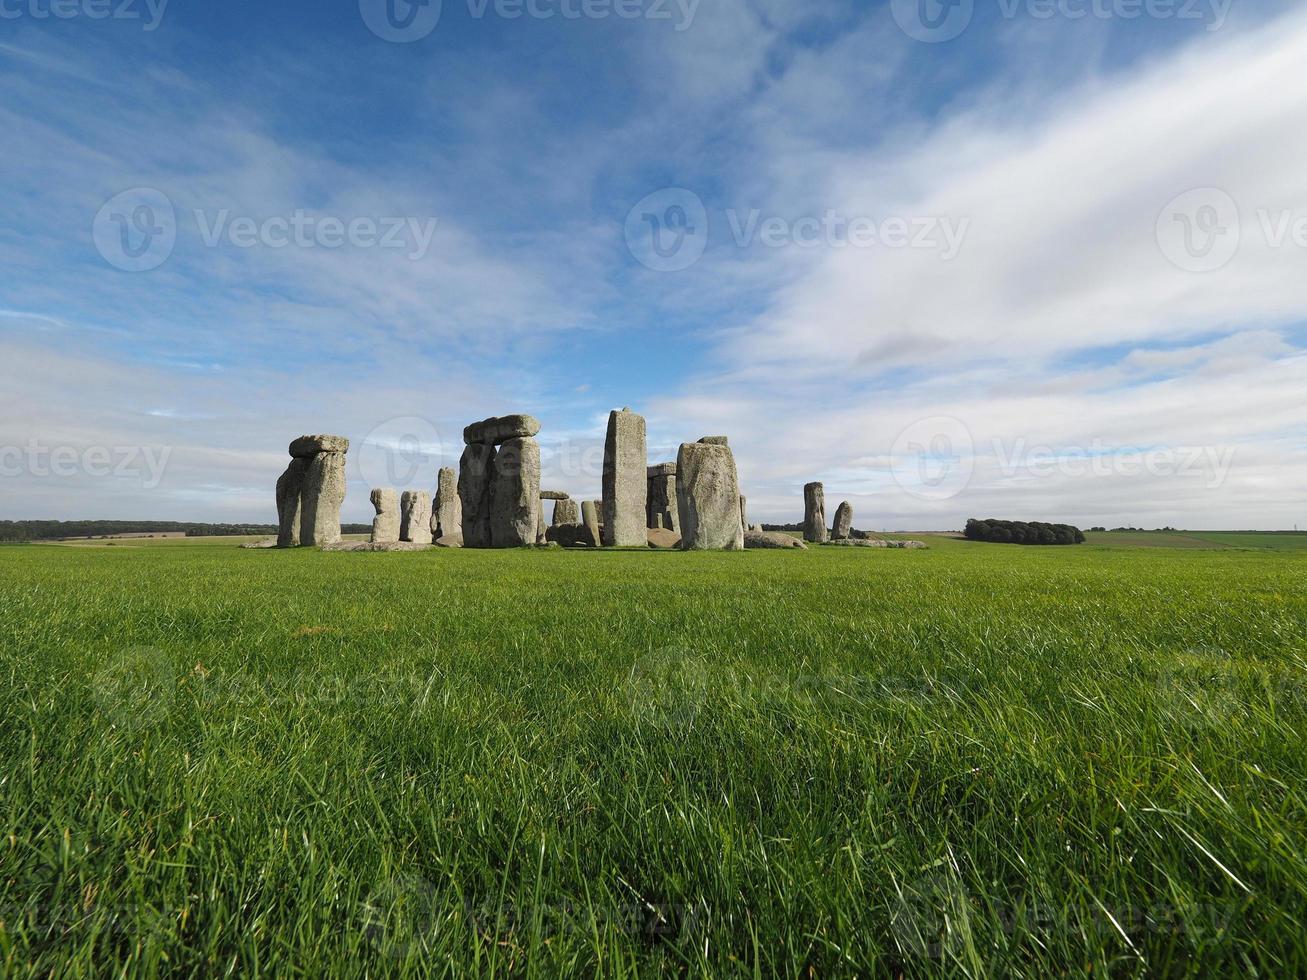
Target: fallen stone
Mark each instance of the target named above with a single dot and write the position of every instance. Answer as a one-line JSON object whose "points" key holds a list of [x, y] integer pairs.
{"points": [[306, 447], [259, 545], [415, 512], [567, 512], [625, 482], [494, 431], [474, 473], [814, 514], [843, 521], [571, 536], [874, 543], [321, 500], [515, 494], [772, 539], [454, 540], [708, 497], [662, 538], [385, 526], [447, 508], [376, 546], [290, 488]]}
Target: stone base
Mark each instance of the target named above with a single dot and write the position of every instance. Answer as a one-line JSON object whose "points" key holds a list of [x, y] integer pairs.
{"points": [[376, 546]]}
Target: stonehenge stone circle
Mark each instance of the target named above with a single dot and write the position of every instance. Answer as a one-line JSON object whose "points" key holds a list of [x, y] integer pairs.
{"points": [[661, 505], [474, 473], [566, 512], [708, 497], [814, 513], [590, 518], [495, 431], [447, 509], [415, 514], [385, 526], [515, 494], [625, 483], [290, 485], [843, 521], [323, 489]]}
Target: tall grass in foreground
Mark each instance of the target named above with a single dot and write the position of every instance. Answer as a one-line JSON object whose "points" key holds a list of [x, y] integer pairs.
{"points": [[976, 760]]}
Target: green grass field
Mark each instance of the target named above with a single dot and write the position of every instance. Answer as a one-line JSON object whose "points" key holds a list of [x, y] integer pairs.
{"points": [[974, 760]]}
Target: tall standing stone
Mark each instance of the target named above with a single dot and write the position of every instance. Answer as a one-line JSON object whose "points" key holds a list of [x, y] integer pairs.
{"points": [[708, 497], [385, 526], [744, 512], [625, 481], [321, 499], [663, 510], [515, 494], [290, 486], [415, 523], [590, 518], [566, 512], [843, 521], [446, 509], [474, 474], [814, 513]]}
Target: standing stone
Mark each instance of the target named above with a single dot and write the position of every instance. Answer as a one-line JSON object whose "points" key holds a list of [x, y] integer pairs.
{"points": [[843, 521], [566, 512], [289, 488], [321, 499], [663, 510], [447, 509], [814, 513], [590, 518], [415, 508], [515, 494], [625, 481], [542, 530], [708, 497], [385, 526], [744, 512], [474, 473]]}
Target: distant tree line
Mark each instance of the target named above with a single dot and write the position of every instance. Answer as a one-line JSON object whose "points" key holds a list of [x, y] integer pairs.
{"points": [[1022, 532], [18, 531]]}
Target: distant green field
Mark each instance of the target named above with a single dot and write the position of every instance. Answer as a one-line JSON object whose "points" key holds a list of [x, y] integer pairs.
{"points": [[1256, 540], [976, 760]]}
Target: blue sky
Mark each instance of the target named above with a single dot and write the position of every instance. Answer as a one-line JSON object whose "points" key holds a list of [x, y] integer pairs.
{"points": [[939, 274]]}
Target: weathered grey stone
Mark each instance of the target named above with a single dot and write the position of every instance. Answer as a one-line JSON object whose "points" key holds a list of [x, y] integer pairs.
{"points": [[744, 512], [515, 494], [567, 512], [447, 508], [290, 487], [321, 499], [541, 527], [625, 481], [662, 538], [772, 539], [260, 545], [306, 447], [415, 510], [814, 513], [590, 518], [554, 495], [843, 521], [875, 543], [714, 441], [475, 471], [385, 526], [494, 431], [376, 546], [662, 509], [708, 497], [454, 540], [571, 536]]}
